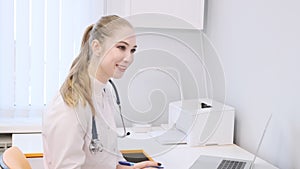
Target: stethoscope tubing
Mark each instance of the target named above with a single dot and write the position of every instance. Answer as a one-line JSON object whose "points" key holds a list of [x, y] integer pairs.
{"points": [[96, 145]]}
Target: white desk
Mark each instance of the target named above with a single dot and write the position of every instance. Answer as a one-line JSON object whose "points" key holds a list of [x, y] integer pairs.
{"points": [[183, 156], [179, 156]]}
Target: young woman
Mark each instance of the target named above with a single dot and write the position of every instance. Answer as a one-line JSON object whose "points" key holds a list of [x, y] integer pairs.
{"points": [[84, 108]]}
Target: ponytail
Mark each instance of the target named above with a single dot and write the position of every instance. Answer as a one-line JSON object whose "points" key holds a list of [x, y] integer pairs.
{"points": [[86, 35], [77, 86]]}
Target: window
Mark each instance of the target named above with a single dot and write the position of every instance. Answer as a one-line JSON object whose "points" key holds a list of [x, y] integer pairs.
{"points": [[38, 41]]}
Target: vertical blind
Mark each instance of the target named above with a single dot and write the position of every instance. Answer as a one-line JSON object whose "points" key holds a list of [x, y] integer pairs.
{"points": [[38, 41]]}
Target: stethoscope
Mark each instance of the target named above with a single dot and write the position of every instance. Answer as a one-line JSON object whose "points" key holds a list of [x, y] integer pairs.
{"points": [[96, 145]]}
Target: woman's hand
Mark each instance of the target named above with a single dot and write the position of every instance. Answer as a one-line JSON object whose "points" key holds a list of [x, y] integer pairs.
{"points": [[140, 165]]}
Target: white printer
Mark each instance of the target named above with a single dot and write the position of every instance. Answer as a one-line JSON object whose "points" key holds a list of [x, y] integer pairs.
{"points": [[203, 121]]}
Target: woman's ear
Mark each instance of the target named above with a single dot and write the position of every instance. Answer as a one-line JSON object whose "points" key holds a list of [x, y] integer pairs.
{"points": [[96, 47]]}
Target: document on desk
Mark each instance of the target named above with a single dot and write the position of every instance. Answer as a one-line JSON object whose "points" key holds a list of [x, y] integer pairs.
{"points": [[167, 137]]}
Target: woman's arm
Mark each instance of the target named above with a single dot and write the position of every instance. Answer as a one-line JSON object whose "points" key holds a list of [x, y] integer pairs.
{"points": [[63, 139]]}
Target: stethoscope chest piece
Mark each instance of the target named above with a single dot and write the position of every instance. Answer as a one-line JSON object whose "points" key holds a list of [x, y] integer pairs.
{"points": [[95, 146]]}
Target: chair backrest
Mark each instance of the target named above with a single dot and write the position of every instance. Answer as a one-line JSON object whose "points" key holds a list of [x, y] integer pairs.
{"points": [[13, 158]]}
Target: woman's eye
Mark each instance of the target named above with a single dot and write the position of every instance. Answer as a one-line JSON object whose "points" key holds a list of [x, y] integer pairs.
{"points": [[132, 50], [122, 47]]}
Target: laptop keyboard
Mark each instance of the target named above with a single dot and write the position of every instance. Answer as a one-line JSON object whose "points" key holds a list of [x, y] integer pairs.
{"points": [[229, 164]]}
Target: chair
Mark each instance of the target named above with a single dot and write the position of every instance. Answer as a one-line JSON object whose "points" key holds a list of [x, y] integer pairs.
{"points": [[13, 158]]}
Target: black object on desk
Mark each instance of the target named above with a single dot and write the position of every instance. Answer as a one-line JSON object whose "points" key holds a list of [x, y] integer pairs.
{"points": [[204, 105], [136, 156]]}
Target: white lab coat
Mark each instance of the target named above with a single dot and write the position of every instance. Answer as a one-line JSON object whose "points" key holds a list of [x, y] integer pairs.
{"points": [[67, 133]]}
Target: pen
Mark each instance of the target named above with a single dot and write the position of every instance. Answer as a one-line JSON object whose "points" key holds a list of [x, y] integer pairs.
{"points": [[127, 163]]}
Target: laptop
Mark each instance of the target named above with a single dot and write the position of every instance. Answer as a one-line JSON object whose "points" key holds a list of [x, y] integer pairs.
{"points": [[212, 162]]}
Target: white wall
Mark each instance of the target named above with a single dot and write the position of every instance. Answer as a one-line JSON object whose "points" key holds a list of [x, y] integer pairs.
{"points": [[258, 44]]}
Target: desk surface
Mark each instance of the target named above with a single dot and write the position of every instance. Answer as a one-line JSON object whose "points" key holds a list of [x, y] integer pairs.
{"points": [[171, 156], [183, 156]]}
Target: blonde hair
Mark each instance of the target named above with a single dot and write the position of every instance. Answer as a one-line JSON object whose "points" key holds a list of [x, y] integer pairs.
{"points": [[77, 86]]}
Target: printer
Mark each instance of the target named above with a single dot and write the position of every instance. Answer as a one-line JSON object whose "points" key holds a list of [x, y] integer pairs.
{"points": [[203, 121]]}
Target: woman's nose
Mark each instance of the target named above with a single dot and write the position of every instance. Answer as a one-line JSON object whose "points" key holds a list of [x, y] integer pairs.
{"points": [[128, 58]]}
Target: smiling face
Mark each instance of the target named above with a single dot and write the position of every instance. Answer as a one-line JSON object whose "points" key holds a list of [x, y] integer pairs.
{"points": [[117, 57]]}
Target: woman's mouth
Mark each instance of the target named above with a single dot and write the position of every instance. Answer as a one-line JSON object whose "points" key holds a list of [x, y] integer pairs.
{"points": [[121, 67]]}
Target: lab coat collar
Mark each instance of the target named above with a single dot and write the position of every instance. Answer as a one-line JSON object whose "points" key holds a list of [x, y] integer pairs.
{"points": [[97, 86]]}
